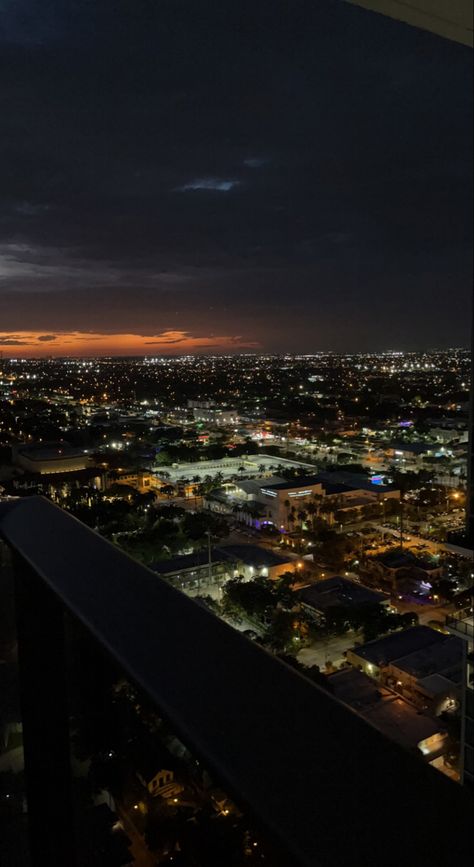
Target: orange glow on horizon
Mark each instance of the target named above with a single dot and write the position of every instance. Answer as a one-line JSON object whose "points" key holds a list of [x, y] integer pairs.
{"points": [[33, 344]]}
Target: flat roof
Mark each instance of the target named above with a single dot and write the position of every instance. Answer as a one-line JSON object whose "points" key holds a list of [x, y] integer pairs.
{"points": [[381, 651], [254, 486], [51, 452], [388, 712], [339, 591], [186, 561], [433, 659], [294, 484], [253, 555], [353, 481], [417, 448]]}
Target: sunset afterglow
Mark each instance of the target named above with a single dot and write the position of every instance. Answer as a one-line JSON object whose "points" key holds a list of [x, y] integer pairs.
{"points": [[82, 343]]}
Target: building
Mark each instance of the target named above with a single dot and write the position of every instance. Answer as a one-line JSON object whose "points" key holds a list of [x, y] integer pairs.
{"points": [[50, 458], [348, 486], [339, 592], [217, 692], [400, 566], [420, 663], [193, 572], [252, 560], [391, 714], [462, 626], [141, 480], [216, 415], [279, 499], [153, 769], [197, 572]]}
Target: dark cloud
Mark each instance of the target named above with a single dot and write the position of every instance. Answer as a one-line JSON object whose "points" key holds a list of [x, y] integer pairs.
{"points": [[47, 338], [12, 340], [220, 185], [300, 174]]}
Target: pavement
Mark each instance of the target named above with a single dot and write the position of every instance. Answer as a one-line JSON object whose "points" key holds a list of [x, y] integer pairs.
{"points": [[425, 612], [329, 650], [141, 855]]}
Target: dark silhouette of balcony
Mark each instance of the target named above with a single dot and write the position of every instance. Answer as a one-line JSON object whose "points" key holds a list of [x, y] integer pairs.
{"points": [[313, 774]]}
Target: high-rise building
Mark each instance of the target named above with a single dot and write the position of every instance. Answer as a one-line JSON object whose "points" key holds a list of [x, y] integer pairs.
{"points": [[462, 625]]}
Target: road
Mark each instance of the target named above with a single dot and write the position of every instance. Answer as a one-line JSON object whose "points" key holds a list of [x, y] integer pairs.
{"points": [[141, 855]]}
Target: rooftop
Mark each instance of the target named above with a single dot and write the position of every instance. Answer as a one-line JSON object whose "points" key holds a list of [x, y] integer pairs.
{"points": [[339, 591], [352, 481], [389, 713], [254, 486], [250, 555], [50, 452], [253, 555], [294, 484], [433, 659], [381, 651], [417, 448]]}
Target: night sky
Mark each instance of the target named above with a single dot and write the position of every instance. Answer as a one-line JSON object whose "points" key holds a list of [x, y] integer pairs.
{"points": [[199, 176]]}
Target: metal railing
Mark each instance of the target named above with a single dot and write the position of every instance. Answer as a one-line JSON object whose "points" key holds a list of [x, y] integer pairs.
{"points": [[312, 773], [463, 623]]}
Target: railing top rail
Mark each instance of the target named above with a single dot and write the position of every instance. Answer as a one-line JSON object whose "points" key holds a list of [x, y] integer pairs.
{"points": [[316, 775]]}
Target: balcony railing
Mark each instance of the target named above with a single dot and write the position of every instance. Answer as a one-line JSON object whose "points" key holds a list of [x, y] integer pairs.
{"points": [[463, 623], [313, 774]]}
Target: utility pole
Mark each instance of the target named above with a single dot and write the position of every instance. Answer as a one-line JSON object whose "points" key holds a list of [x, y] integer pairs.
{"points": [[401, 519], [209, 552]]}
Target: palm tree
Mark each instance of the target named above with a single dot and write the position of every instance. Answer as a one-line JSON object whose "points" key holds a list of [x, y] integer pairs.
{"points": [[302, 515], [312, 511], [318, 499], [291, 516]]}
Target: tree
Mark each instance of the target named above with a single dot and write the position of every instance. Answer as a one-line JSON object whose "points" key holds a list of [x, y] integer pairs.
{"points": [[281, 633], [312, 511], [250, 598], [167, 490], [302, 515], [290, 519]]}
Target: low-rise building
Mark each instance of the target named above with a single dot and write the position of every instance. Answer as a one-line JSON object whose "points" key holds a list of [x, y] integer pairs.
{"points": [[420, 663], [339, 592], [216, 415], [400, 565], [50, 458], [196, 572], [345, 486], [394, 716]]}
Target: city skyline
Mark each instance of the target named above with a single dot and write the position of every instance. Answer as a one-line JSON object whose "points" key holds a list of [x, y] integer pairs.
{"points": [[181, 189]]}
